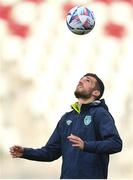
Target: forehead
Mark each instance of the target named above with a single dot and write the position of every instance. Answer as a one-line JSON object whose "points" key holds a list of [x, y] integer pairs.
{"points": [[92, 79]]}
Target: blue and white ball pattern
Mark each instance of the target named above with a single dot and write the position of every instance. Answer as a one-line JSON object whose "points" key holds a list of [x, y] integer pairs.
{"points": [[80, 20]]}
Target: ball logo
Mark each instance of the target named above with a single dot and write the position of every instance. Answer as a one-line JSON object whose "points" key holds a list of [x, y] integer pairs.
{"points": [[87, 120]]}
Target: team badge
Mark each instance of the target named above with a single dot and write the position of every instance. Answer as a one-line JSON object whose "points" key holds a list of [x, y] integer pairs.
{"points": [[68, 122], [87, 120]]}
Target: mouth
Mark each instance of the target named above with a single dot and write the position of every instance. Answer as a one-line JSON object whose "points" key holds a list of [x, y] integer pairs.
{"points": [[79, 86]]}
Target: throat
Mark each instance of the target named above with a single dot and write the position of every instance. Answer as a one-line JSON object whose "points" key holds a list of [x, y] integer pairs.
{"points": [[85, 101]]}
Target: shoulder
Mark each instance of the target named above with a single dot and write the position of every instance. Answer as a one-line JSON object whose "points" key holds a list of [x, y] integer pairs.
{"points": [[98, 110], [102, 115]]}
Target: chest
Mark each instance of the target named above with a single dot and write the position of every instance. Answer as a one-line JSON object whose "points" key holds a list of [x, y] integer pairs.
{"points": [[81, 125]]}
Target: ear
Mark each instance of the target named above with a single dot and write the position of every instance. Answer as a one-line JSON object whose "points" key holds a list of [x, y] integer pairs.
{"points": [[96, 93]]}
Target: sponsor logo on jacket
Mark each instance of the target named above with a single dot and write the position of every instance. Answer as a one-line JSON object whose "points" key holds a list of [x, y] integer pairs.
{"points": [[68, 122]]}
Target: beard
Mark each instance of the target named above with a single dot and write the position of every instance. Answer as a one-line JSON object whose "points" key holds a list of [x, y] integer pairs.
{"points": [[82, 94]]}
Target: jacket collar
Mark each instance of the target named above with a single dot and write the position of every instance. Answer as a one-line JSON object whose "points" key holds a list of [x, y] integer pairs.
{"points": [[84, 107], [78, 108]]}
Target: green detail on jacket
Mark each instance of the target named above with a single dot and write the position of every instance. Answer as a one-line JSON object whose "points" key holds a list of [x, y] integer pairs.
{"points": [[76, 107]]}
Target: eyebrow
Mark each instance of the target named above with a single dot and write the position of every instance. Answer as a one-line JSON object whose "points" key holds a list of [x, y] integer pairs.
{"points": [[90, 79]]}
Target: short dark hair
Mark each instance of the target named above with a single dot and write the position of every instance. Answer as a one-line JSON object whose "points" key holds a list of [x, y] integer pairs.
{"points": [[99, 85]]}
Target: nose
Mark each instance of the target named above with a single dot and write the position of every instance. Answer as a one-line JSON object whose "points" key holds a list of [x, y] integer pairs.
{"points": [[80, 82]]}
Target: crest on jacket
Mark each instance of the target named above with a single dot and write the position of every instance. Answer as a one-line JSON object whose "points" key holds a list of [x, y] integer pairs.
{"points": [[87, 120]]}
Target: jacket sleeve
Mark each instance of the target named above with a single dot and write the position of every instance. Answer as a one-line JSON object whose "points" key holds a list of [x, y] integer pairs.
{"points": [[50, 152], [108, 140]]}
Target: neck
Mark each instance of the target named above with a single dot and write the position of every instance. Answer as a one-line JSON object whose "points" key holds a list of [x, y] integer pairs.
{"points": [[85, 101]]}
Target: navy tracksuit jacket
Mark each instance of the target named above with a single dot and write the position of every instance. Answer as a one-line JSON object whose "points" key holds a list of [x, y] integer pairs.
{"points": [[96, 127]]}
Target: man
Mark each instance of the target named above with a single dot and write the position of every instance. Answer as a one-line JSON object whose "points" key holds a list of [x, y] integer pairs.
{"points": [[84, 137]]}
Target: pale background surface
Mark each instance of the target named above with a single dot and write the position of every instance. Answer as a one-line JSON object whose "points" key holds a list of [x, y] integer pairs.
{"points": [[41, 62]]}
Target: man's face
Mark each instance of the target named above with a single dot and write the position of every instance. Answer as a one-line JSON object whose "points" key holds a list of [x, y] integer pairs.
{"points": [[85, 87]]}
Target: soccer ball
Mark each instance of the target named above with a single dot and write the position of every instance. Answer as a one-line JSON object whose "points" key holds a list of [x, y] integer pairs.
{"points": [[80, 20]]}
